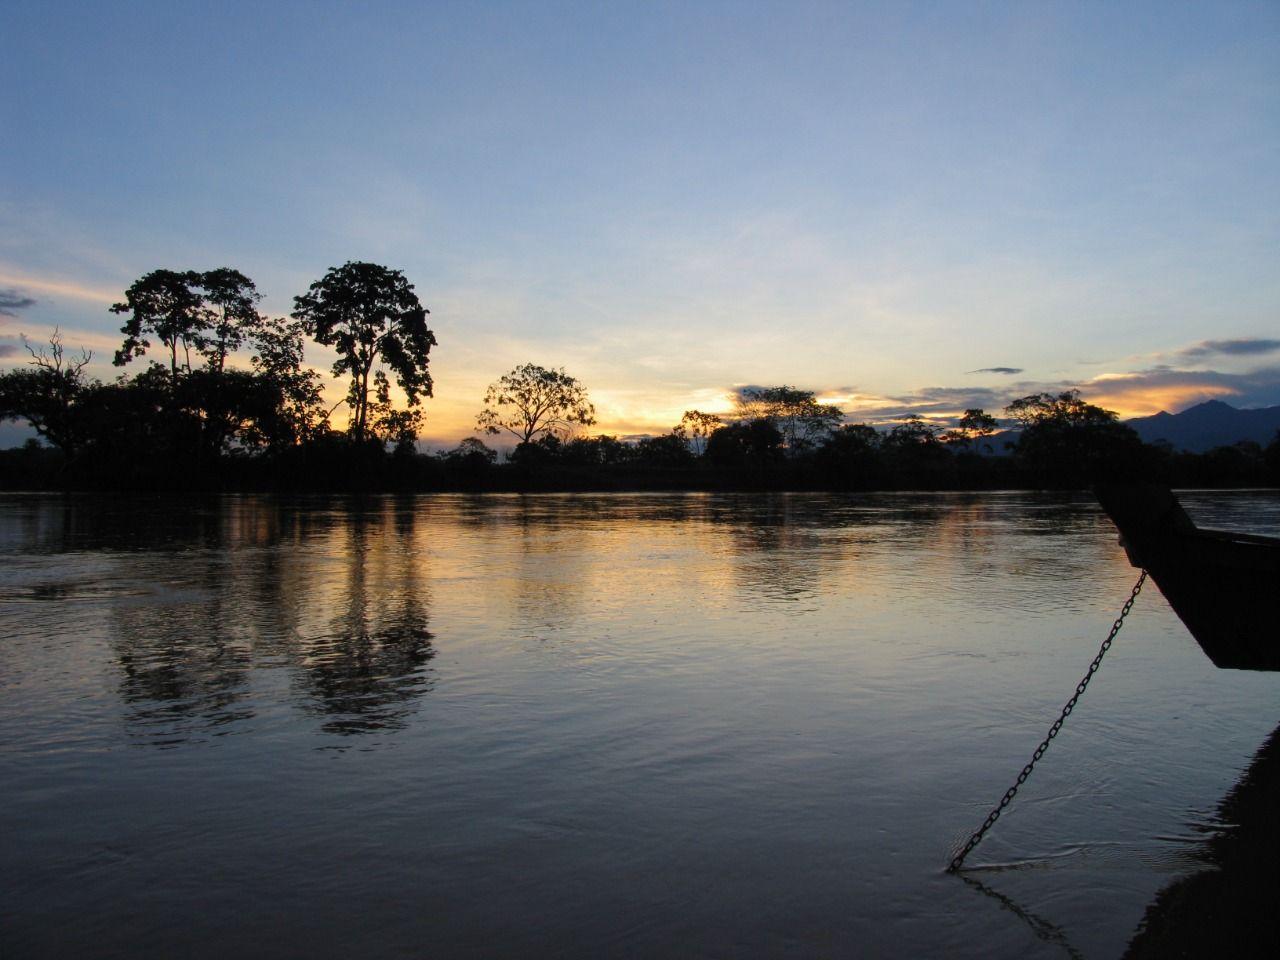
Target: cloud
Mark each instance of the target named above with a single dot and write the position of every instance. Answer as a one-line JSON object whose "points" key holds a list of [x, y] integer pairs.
{"points": [[11, 301], [939, 405], [1008, 371], [1131, 394], [1238, 347], [952, 396], [1164, 387], [57, 287], [8, 350]]}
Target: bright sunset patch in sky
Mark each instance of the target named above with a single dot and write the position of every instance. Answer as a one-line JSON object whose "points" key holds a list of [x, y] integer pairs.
{"points": [[903, 208]]}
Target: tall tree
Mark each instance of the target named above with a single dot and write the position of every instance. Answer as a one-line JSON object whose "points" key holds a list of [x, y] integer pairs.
{"points": [[913, 432], [1069, 442], [1062, 411], [974, 425], [371, 316], [231, 301], [532, 401], [211, 313], [695, 427], [169, 305], [796, 414], [296, 413]]}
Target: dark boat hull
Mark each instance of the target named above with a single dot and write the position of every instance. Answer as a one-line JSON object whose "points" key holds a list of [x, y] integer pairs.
{"points": [[1224, 586]]}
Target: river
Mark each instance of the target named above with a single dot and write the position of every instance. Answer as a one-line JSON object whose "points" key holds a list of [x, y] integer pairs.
{"points": [[595, 726]]}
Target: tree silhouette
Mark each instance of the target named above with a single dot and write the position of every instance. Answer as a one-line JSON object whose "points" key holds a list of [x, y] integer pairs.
{"points": [[913, 431], [1067, 441], [208, 407], [212, 313], [371, 316], [385, 423], [851, 455], [532, 401], [669, 450], [296, 413], [232, 302], [973, 427], [472, 451], [695, 427], [1271, 457], [170, 306], [51, 397], [797, 414], [746, 449]]}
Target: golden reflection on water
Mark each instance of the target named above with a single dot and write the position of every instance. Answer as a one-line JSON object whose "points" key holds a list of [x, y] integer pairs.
{"points": [[338, 593]]}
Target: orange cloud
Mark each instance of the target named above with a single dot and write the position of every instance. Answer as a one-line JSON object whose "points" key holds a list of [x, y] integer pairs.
{"points": [[1135, 400], [1144, 392]]}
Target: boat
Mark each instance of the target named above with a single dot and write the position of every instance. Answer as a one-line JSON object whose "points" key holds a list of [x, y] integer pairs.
{"points": [[1224, 586]]}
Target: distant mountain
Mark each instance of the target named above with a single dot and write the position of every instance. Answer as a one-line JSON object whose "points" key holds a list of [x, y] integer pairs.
{"points": [[1208, 425], [1197, 429]]}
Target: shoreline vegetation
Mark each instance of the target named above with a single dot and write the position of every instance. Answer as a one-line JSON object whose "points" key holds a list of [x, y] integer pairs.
{"points": [[226, 403]]}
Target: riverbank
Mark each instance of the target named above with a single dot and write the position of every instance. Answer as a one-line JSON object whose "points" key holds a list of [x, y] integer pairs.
{"points": [[1229, 909]]}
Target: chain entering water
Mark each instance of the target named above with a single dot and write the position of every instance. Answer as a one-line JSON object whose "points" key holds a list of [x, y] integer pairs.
{"points": [[958, 860]]}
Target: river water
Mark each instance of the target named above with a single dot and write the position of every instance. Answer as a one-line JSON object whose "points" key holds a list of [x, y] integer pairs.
{"points": [[595, 726]]}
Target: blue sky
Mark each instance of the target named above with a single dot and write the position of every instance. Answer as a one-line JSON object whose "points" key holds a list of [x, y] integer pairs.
{"points": [[871, 201]]}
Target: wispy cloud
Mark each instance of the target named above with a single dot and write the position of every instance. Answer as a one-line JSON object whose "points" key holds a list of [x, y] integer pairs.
{"points": [[57, 287], [12, 300], [8, 350], [1237, 347], [1007, 371]]}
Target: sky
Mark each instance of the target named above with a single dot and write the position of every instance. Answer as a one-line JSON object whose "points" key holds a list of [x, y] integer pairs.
{"points": [[904, 208]]}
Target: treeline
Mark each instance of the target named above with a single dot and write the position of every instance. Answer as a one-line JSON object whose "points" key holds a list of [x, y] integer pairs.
{"points": [[225, 402], [781, 438], [225, 399]]}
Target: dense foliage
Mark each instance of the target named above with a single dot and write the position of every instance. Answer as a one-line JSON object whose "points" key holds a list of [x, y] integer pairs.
{"points": [[373, 319], [226, 402]]}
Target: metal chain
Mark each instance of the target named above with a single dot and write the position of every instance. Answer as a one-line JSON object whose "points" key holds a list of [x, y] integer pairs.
{"points": [[958, 860]]}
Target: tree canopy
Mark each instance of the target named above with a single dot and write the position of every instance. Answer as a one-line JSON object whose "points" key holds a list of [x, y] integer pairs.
{"points": [[913, 431], [1067, 441], [168, 305], [231, 302], [211, 313], [796, 414], [49, 394], [975, 425], [533, 401], [233, 404], [371, 316], [696, 427]]}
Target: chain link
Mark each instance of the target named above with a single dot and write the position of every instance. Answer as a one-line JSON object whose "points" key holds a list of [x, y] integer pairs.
{"points": [[958, 860]]}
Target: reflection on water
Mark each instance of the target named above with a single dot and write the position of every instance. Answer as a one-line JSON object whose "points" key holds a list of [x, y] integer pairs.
{"points": [[1045, 930], [366, 672], [574, 726], [349, 624], [178, 681]]}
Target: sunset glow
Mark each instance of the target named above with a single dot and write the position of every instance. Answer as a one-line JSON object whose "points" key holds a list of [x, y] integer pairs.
{"points": [[674, 201]]}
